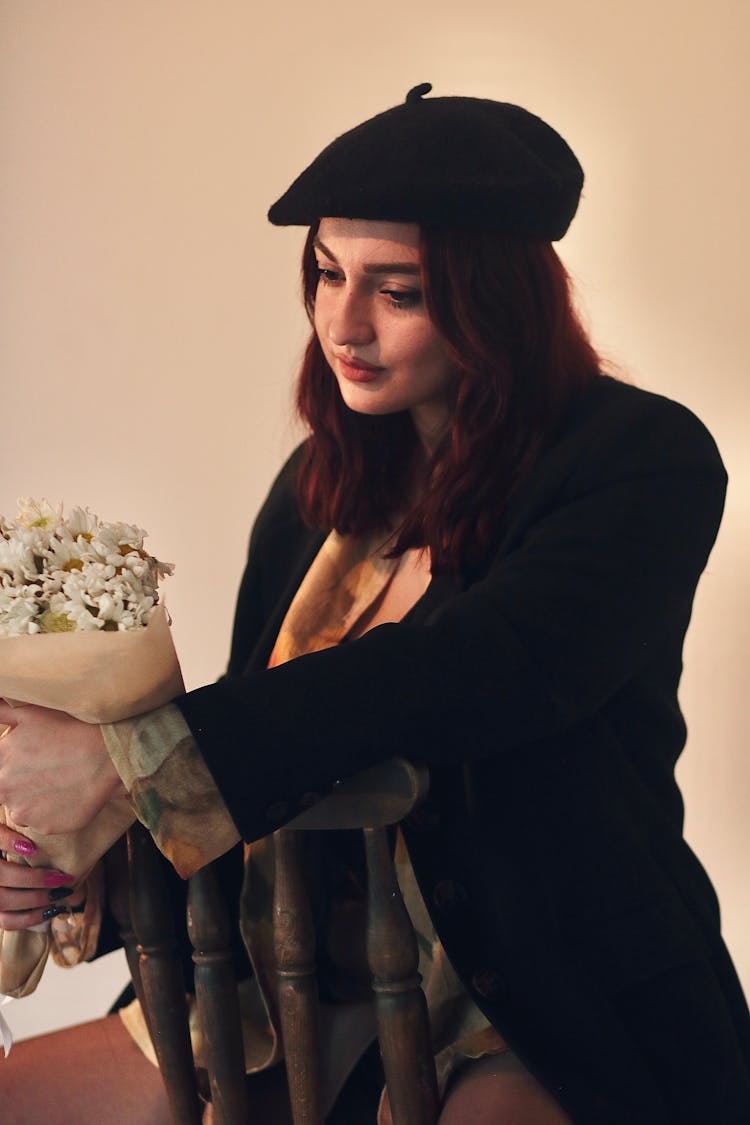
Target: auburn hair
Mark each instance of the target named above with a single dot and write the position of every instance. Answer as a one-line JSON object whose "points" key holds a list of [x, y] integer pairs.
{"points": [[504, 310]]}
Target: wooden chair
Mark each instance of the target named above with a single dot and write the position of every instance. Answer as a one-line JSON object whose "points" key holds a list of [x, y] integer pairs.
{"points": [[372, 801]]}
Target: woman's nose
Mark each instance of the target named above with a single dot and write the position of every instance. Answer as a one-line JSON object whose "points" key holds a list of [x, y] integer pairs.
{"points": [[350, 321]]}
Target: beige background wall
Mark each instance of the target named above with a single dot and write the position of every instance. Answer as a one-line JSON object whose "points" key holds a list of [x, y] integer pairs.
{"points": [[149, 323]]}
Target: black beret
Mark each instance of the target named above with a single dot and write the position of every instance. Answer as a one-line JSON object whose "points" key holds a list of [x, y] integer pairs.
{"points": [[450, 162]]}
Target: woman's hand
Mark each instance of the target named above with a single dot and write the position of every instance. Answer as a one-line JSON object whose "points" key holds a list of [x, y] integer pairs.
{"points": [[55, 772], [27, 894]]}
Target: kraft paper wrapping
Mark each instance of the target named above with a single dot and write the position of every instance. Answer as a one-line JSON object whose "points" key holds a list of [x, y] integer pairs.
{"points": [[97, 677]]}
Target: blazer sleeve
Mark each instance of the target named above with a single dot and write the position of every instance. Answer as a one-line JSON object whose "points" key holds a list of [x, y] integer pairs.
{"points": [[602, 570]]}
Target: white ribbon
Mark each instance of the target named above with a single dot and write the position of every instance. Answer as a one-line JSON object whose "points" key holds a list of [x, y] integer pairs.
{"points": [[6, 1035]]}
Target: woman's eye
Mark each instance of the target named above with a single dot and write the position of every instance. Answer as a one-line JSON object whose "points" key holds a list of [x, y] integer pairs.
{"points": [[403, 298], [328, 276]]}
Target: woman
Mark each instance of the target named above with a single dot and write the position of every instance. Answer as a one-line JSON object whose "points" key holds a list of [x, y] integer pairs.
{"points": [[483, 558]]}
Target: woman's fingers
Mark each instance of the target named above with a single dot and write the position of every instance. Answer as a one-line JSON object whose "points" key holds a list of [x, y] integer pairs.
{"points": [[23, 909], [55, 772], [28, 893], [25, 919], [13, 843], [15, 902], [19, 876]]}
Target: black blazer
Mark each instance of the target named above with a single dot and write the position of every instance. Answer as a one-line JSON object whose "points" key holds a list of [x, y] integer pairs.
{"points": [[541, 691]]}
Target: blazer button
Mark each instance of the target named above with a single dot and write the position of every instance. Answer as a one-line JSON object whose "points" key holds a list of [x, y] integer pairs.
{"points": [[447, 894], [488, 982], [278, 812]]}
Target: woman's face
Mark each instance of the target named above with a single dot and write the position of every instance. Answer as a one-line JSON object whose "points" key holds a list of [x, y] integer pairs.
{"points": [[373, 327]]}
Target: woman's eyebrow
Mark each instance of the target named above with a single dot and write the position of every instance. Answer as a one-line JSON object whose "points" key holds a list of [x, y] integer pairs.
{"points": [[328, 253], [411, 268]]}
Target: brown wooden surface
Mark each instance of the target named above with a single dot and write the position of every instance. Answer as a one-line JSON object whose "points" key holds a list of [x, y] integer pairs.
{"points": [[381, 795], [403, 1026], [378, 797], [117, 877], [216, 995], [161, 976], [294, 943]]}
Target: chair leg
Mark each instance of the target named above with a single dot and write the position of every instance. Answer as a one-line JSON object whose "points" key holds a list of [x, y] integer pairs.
{"points": [[294, 942], [161, 977], [217, 998], [118, 890], [403, 1025]]}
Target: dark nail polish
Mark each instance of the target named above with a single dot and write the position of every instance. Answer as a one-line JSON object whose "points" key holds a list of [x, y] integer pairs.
{"points": [[59, 892], [53, 911]]}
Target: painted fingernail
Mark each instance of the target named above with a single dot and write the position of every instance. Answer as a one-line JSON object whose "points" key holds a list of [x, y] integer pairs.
{"points": [[58, 879], [53, 911], [59, 892], [24, 847]]}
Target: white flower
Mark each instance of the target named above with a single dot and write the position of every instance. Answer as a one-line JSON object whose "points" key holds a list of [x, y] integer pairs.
{"points": [[18, 613], [77, 573], [66, 552], [17, 556], [81, 521], [38, 513], [111, 538]]}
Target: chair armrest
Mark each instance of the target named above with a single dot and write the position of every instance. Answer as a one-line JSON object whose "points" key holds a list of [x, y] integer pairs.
{"points": [[374, 798]]}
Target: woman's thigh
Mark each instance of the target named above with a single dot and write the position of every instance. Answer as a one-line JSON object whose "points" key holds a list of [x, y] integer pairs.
{"points": [[93, 1072], [498, 1090]]}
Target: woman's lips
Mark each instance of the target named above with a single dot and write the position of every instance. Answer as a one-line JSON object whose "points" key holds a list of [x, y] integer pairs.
{"points": [[358, 370]]}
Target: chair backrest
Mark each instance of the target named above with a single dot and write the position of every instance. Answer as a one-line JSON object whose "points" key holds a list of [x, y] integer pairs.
{"points": [[372, 801]]}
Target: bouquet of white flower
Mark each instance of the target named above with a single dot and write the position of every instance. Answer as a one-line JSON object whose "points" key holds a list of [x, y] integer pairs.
{"points": [[59, 575], [80, 631]]}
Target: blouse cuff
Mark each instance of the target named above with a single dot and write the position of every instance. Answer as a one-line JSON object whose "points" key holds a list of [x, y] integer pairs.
{"points": [[172, 790]]}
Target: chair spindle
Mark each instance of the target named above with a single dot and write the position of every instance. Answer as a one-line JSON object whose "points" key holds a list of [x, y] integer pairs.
{"points": [[403, 1025], [161, 977], [217, 997], [294, 942]]}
